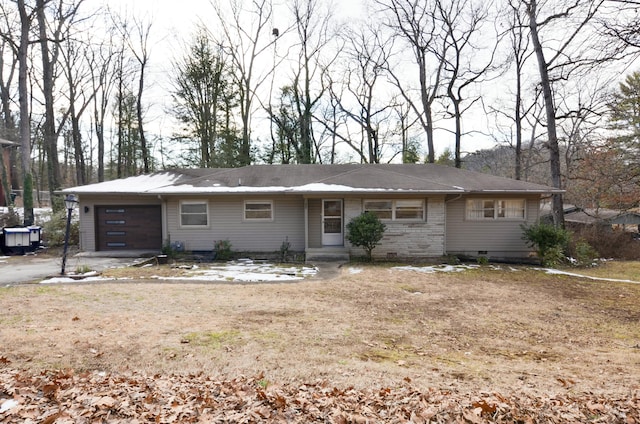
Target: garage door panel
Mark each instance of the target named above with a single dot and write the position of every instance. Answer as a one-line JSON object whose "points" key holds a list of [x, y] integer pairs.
{"points": [[129, 227]]}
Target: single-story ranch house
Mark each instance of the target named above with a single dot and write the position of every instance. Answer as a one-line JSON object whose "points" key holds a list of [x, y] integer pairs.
{"points": [[429, 210]]}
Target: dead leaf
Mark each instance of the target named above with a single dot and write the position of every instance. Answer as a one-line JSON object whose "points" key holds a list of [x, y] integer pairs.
{"points": [[51, 418], [280, 402], [595, 407], [484, 407], [49, 390]]}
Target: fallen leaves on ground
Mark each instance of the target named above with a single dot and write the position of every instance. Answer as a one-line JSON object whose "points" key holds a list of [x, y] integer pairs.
{"points": [[69, 397]]}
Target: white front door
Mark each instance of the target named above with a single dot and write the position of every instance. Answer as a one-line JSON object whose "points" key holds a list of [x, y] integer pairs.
{"points": [[332, 223]]}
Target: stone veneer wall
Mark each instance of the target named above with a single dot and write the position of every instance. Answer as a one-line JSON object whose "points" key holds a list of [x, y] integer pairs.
{"points": [[406, 239]]}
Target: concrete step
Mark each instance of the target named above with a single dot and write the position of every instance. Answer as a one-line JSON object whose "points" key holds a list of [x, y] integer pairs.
{"points": [[327, 254]]}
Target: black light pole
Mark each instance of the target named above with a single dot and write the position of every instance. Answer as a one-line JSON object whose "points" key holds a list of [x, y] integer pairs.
{"points": [[70, 203]]}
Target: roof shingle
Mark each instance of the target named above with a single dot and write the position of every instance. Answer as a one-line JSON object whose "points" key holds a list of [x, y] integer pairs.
{"points": [[413, 178]]}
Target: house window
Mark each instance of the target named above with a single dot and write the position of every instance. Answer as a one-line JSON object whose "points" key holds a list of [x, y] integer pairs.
{"points": [[409, 209], [258, 210], [480, 209], [402, 210], [194, 214], [383, 209]]}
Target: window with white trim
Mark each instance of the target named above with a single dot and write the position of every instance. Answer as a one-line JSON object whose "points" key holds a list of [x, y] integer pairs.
{"points": [[194, 213], [481, 209], [400, 210], [258, 210]]}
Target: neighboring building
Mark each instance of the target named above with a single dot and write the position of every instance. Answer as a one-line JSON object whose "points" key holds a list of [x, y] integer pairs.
{"points": [[429, 210], [576, 217]]}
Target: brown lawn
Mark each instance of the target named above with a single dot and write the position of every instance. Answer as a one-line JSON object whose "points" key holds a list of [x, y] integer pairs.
{"points": [[515, 333]]}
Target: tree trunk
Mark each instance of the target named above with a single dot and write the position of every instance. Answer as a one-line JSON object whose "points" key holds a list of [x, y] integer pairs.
{"points": [[139, 112], [552, 142], [25, 127], [49, 127], [426, 107], [518, 119]]}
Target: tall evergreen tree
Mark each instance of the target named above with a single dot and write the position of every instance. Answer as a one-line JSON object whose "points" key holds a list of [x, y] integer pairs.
{"points": [[205, 102], [625, 111]]}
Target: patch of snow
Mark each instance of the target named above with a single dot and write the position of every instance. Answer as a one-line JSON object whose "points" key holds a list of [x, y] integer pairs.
{"points": [[188, 188], [59, 280], [245, 270], [40, 215], [436, 268], [137, 184], [320, 187], [573, 274], [7, 405], [355, 270], [242, 270]]}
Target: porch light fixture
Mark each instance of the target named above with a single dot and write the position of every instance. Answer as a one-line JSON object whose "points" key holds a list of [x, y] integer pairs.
{"points": [[70, 203]]}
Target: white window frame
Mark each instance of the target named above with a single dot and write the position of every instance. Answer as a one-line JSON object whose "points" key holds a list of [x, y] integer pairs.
{"points": [[492, 209], [395, 205], [193, 202], [258, 202]]}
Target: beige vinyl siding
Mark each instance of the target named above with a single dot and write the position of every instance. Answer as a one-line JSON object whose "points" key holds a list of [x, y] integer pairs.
{"points": [[226, 222], [498, 237], [315, 223], [87, 219]]}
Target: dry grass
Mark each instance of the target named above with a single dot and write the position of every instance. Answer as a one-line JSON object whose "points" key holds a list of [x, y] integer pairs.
{"points": [[478, 330]]}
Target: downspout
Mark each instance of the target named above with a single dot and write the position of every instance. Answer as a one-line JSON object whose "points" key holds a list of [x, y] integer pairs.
{"points": [[306, 225], [165, 225]]}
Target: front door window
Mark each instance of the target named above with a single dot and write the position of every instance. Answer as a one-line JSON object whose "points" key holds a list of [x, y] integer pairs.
{"points": [[332, 223]]}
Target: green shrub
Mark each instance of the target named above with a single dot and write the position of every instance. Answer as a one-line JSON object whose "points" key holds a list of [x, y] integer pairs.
{"points": [[168, 250], [223, 251], [365, 231], [284, 250], [53, 230], [584, 254], [549, 241], [553, 256]]}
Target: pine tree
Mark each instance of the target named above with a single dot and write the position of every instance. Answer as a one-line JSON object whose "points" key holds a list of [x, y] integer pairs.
{"points": [[625, 111]]}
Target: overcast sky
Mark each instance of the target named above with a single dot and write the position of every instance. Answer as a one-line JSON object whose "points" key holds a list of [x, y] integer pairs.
{"points": [[173, 24]]}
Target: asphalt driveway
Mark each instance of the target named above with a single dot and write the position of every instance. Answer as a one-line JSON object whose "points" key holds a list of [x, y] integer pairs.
{"points": [[37, 267], [32, 268]]}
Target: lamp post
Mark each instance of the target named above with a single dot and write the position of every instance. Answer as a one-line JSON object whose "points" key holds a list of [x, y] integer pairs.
{"points": [[70, 202]]}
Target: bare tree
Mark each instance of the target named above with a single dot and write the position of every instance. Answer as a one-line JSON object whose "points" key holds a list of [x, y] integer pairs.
{"points": [[51, 32], [360, 90], [571, 48], [313, 28], [464, 59], [8, 69], [80, 94], [26, 18], [625, 26], [519, 46], [102, 60], [248, 36], [137, 40], [131, 61], [415, 23]]}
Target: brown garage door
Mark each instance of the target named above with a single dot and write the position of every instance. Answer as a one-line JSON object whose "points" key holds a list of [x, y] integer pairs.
{"points": [[128, 227]]}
